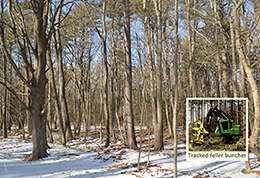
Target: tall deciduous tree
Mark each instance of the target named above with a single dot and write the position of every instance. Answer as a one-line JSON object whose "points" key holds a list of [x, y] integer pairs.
{"points": [[233, 52], [4, 91], [37, 44], [253, 141], [56, 99], [149, 36], [158, 138], [105, 63], [131, 141], [62, 97], [176, 46], [191, 53]]}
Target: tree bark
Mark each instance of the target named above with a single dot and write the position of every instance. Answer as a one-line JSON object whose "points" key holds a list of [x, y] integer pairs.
{"points": [[176, 42], [149, 36], [168, 81], [113, 61], [38, 82], [131, 141], [158, 135], [4, 98], [105, 82], [233, 52], [253, 140], [49, 120], [191, 54], [56, 100], [4, 91], [62, 97], [217, 57]]}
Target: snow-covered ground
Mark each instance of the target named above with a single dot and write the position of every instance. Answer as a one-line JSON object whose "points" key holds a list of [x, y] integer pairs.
{"points": [[89, 160]]}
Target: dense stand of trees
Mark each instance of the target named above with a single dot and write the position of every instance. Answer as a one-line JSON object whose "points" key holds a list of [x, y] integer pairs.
{"points": [[93, 60]]}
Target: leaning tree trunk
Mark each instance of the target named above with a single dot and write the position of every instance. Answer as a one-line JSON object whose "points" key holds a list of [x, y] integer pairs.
{"points": [[62, 97], [253, 140], [56, 100]]}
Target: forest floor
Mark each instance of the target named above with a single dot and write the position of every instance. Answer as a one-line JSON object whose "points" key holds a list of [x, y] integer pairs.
{"points": [[91, 159]]}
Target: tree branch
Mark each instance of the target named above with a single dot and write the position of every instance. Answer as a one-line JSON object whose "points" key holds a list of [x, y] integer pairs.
{"points": [[15, 94], [97, 30], [66, 13], [201, 34], [13, 63]]}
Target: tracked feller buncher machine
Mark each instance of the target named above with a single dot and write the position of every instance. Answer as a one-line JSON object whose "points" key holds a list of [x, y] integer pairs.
{"points": [[225, 126]]}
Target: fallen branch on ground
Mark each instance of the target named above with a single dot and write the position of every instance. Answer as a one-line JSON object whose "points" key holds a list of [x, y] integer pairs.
{"points": [[4, 163]]}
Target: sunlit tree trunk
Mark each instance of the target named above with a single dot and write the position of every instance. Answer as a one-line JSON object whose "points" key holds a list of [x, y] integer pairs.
{"points": [[253, 140], [191, 54], [217, 57], [105, 82], [149, 36], [233, 52], [62, 97], [176, 42], [39, 81], [158, 135], [4, 91], [56, 99], [4, 101], [131, 141]]}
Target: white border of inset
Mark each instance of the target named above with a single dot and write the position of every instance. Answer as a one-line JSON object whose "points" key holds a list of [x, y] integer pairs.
{"points": [[216, 155]]}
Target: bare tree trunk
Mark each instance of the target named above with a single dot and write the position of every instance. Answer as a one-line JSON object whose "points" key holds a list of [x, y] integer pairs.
{"points": [[101, 110], [49, 128], [141, 128], [176, 42], [39, 81], [253, 140], [131, 141], [4, 91], [113, 65], [28, 101], [233, 52], [105, 82], [168, 81], [56, 102], [218, 71], [149, 36], [191, 54], [62, 97], [158, 135], [4, 104]]}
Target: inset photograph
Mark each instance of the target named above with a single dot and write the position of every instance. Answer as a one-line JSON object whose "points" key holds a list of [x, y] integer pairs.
{"points": [[217, 125]]}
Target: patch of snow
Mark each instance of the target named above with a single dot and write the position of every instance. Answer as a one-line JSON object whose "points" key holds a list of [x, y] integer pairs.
{"points": [[89, 160]]}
